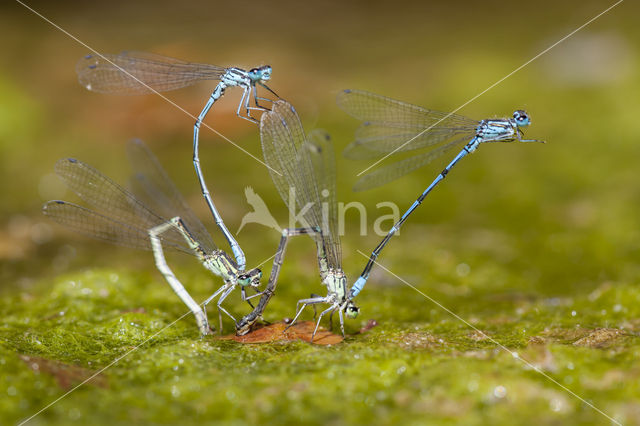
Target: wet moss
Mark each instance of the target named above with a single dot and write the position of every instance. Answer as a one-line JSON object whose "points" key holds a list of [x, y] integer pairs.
{"points": [[403, 370], [535, 246]]}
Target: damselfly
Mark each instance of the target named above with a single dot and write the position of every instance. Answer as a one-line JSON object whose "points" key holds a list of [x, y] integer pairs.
{"points": [[303, 170], [390, 126], [151, 216], [142, 73]]}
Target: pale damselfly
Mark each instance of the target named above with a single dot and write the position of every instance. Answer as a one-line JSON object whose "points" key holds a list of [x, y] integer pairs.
{"points": [[152, 215], [390, 126], [303, 170], [133, 73]]}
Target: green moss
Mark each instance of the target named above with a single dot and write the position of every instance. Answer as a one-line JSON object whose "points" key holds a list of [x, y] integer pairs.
{"points": [[411, 368], [537, 246]]}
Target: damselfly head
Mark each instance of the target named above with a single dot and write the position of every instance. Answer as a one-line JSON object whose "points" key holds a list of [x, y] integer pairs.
{"points": [[351, 310], [262, 73], [522, 118], [251, 278]]}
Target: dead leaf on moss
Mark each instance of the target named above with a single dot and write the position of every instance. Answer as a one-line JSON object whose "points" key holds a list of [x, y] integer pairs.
{"points": [[276, 332], [563, 335], [66, 375], [599, 338]]}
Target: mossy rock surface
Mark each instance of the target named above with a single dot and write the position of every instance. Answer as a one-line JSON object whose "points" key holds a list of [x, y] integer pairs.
{"points": [[516, 354], [526, 259]]}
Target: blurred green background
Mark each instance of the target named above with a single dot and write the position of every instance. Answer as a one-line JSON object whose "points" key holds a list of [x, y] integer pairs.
{"points": [[525, 241]]}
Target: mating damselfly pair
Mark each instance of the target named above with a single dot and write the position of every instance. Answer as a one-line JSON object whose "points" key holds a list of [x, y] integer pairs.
{"points": [[154, 215]]}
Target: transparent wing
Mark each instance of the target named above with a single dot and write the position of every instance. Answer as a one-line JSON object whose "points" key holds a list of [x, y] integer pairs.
{"points": [[400, 168], [366, 106], [287, 150], [151, 185], [391, 125], [125, 73], [323, 161], [282, 138], [96, 225], [113, 206], [373, 140]]}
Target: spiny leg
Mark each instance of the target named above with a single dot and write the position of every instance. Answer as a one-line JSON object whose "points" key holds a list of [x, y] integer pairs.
{"points": [[269, 89], [519, 136], [298, 312], [244, 102], [257, 98], [329, 309], [341, 316], [246, 98], [331, 320], [246, 298], [221, 309], [305, 302], [243, 295], [214, 295], [315, 310], [218, 291]]}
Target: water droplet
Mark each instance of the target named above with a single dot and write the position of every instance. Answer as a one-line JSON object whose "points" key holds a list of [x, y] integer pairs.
{"points": [[500, 392], [74, 414], [463, 269], [556, 404], [175, 392]]}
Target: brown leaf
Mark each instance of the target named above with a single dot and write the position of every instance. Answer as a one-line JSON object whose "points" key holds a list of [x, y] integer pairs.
{"points": [[276, 332]]}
